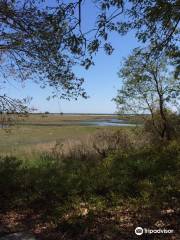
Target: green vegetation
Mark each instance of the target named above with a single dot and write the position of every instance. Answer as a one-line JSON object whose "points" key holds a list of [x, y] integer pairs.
{"points": [[116, 179], [24, 138], [36, 133], [45, 44], [69, 182], [149, 86]]}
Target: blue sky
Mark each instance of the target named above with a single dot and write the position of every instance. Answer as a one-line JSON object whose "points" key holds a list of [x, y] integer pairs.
{"points": [[101, 80]]}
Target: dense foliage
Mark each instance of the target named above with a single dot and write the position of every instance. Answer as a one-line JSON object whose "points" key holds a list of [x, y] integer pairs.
{"points": [[149, 86], [44, 41], [66, 187]]}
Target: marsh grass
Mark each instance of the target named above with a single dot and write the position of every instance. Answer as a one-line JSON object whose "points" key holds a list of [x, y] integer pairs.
{"points": [[25, 138], [102, 183]]}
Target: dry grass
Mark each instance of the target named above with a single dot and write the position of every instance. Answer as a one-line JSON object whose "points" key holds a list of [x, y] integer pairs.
{"points": [[37, 138], [57, 118], [95, 145], [38, 133]]}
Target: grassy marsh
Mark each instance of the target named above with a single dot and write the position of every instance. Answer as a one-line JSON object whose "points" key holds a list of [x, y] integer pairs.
{"points": [[39, 132]]}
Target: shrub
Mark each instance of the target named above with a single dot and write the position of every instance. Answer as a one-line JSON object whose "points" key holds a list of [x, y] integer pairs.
{"points": [[151, 171], [155, 128], [9, 180], [106, 142], [59, 183]]}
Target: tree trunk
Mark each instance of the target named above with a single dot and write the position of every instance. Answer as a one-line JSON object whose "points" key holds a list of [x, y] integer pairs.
{"points": [[165, 134]]}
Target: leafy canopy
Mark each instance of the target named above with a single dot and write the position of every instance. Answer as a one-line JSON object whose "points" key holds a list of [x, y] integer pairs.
{"points": [[43, 41], [149, 86], [148, 82]]}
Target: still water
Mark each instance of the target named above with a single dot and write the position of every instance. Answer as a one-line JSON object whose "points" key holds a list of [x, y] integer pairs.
{"points": [[97, 122], [106, 122]]}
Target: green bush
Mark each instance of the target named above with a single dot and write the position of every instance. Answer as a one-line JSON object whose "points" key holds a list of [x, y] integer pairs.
{"points": [[59, 184], [152, 172], [10, 181], [154, 128]]}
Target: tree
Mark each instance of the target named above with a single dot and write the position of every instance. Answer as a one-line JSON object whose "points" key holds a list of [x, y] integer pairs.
{"points": [[38, 43], [148, 87], [44, 43], [11, 108]]}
